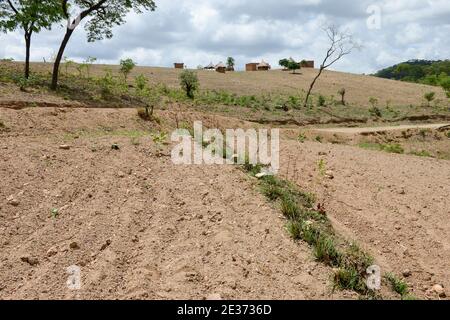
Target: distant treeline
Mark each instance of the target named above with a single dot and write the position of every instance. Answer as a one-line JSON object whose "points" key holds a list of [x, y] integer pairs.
{"points": [[435, 73]]}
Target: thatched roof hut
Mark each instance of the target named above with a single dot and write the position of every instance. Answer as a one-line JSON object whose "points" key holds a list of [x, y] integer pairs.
{"points": [[210, 66], [221, 67], [263, 66]]}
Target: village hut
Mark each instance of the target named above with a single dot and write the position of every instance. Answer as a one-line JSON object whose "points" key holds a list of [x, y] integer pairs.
{"points": [[221, 67], [210, 66], [251, 66], [307, 64], [179, 65], [263, 66]]}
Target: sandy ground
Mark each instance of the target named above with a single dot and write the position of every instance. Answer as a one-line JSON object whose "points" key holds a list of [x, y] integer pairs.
{"points": [[381, 129], [396, 206], [137, 225], [140, 227]]}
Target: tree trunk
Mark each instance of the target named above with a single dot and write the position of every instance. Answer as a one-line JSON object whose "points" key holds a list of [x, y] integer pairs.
{"points": [[311, 87], [59, 58], [27, 54]]}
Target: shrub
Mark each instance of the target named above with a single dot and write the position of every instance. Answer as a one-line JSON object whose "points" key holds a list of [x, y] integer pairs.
{"points": [[376, 112], [429, 97], [141, 82], [126, 66], [397, 284], [321, 101], [189, 82]]}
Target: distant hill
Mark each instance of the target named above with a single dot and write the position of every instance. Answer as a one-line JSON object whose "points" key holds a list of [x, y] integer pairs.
{"points": [[435, 73]]}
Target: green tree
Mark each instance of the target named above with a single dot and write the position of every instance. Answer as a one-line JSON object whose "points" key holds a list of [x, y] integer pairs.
{"points": [[31, 16], [103, 15], [126, 66], [230, 63], [284, 63], [292, 65], [189, 82]]}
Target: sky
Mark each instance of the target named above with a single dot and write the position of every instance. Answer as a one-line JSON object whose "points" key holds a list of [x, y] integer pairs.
{"points": [[198, 32]]}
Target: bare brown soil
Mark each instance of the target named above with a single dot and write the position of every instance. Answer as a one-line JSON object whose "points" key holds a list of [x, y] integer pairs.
{"points": [[143, 228], [137, 225], [396, 206]]}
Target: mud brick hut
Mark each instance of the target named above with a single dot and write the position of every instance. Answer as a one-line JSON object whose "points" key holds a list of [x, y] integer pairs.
{"points": [[221, 67], [307, 64], [251, 67], [263, 66], [179, 65]]}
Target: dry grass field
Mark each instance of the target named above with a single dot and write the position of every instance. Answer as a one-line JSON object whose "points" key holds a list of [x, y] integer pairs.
{"points": [[359, 87]]}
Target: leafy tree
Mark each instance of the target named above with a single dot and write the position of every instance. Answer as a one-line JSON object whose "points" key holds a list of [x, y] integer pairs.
{"points": [[31, 16], [126, 66], [290, 64], [103, 15], [189, 82], [230, 63], [284, 63]]}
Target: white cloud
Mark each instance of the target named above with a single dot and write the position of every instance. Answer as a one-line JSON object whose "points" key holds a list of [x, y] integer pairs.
{"points": [[200, 31]]}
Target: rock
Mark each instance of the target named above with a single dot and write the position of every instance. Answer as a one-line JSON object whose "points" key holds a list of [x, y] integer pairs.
{"points": [[329, 174], [437, 288], [407, 273], [30, 260], [261, 175], [74, 245], [51, 252], [13, 201], [64, 147], [121, 174], [214, 297], [115, 147], [105, 245]]}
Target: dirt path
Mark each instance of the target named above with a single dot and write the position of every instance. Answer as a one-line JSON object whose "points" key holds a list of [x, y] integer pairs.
{"points": [[138, 226], [382, 129]]}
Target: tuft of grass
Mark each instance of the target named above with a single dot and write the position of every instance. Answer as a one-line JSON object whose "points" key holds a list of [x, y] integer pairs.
{"points": [[301, 137], [389, 147], [398, 285], [306, 224], [422, 153]]}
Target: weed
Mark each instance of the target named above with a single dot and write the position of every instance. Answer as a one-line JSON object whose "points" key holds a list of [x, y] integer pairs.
{"points": [[321, 101], [322, 166], [422, 153], [301, 137], [54, 213], [325, 250], [398, 285], [319, 139], [289, 207], [391, 148]]}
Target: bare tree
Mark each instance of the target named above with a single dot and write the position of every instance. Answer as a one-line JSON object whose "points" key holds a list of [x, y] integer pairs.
{"points": [[341, 44]]}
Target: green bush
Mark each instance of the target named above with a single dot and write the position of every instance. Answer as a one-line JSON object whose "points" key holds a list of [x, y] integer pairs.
{"points": [[189, 83], [126, 66]]}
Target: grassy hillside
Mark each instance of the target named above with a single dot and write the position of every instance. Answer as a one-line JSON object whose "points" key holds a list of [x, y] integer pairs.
{"points": [[359, 88]]}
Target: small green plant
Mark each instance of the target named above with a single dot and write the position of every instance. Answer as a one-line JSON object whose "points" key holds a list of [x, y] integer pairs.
{"points": [[319, 139], [393, 148], [126, 66], [160, 139], [54, 213], [429, 97], [321, 101], [398, 285], [68, 64], [422, 153], [301, 137], [322, 166], [107, 84], [2, 125], [189, 83], [448, 134], [141, 82]]}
